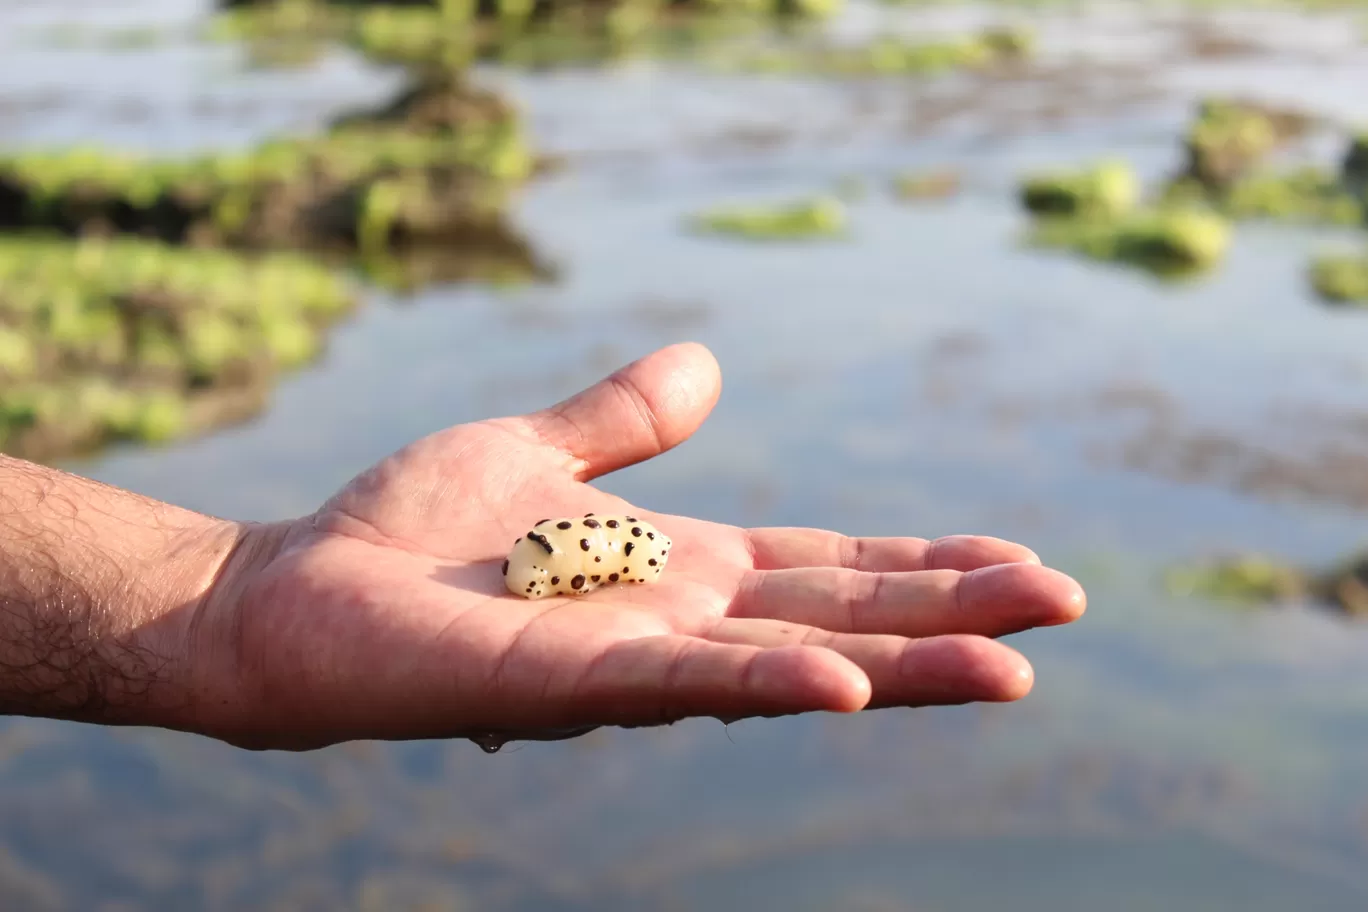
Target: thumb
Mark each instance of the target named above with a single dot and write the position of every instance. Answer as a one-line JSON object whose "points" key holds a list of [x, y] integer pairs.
{"points": [[639, 411]]}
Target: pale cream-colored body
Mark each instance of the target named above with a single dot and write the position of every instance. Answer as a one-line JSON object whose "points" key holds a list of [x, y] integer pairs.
{"points": [[589, 552]]}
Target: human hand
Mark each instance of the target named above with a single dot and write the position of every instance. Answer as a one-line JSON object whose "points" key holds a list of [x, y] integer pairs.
{"points": [[384, 614]]}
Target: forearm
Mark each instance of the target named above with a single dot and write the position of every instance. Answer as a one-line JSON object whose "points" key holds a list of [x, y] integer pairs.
{"points": [[99, 592]]}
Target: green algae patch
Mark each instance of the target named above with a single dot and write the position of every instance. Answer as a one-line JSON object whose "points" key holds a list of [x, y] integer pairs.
{"points": [[1098, 212], [526, 33], [576, 34], [1110, 188], [890, 55], [1226, 169], [440, 180], [1340, 278], [281, 34], [1008, 41], [1228, 139], [1307, 195], [447, 105], [823, 217], [1257, 580], [925, 185], [285, 20], [1247, 580], [511, 9], [614, 35], [1172, 243], [128, 339]]}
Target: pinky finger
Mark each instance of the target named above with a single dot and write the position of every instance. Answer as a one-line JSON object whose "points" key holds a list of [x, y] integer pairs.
{"points": [[662, 679]]}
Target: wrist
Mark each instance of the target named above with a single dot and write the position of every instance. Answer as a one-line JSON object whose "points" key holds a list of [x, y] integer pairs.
{"points": [[222, 688]]}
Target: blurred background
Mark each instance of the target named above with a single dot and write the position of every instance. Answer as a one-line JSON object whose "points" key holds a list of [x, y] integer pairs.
{"points": [[1083, 275]]}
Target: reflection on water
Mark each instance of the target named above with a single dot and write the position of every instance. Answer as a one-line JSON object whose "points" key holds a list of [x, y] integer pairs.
{"points": [[926, 375]]}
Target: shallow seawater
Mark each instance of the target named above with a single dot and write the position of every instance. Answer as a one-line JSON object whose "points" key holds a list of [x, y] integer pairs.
{"points": [[925, 375]]}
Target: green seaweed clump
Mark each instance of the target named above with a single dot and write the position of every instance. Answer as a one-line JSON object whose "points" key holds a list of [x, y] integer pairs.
{"points": [[1306, 194], [817, 218], [1095, 212], [1009, 41], [509, 9], [893, 56], [446, 105], [454, 33], [127, 339], [1341, 278], [1258, 580], [1248, 579], [283, 33], [421, 35], [299, 192], [540, 34], [1110, 188], [1165, 242], [1229, 138]]}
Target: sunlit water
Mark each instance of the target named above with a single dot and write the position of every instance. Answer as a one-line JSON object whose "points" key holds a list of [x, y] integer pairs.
{"points": [[926, 375]]}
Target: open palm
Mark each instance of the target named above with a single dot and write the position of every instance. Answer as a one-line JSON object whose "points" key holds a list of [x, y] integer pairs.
{"points": [[384, 614]]}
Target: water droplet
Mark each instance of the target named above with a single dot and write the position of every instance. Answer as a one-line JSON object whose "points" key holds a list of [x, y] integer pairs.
{"points": [[489, 742], [492, 742]]}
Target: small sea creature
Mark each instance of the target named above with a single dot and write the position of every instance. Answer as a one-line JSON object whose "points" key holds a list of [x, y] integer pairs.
{"points": [[577, 556]]}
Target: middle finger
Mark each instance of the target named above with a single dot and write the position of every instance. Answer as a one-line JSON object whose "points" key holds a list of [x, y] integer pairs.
{"points": [[992, 601]]}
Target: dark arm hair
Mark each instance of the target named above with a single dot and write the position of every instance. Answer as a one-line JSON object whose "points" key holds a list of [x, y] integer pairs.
{"points": [[99, 589]]}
